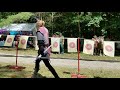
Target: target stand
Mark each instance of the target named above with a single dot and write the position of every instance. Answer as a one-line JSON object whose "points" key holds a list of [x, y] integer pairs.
{"points": [[19, 68], [77, 75], [16, 67]]}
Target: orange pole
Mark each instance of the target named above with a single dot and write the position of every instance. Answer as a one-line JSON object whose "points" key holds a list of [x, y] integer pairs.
{"points": [[16, 51], [78, 55]]}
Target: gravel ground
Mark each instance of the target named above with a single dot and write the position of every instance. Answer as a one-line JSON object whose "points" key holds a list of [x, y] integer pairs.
{"points": [[7, 58]]}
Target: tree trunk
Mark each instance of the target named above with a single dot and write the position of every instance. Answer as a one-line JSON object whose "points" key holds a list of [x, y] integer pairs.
{"points": [[79, 25], [40, 15], [52, 22]]}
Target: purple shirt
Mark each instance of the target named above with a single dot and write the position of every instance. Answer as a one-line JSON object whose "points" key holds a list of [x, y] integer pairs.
{"points": [[44, 30]]}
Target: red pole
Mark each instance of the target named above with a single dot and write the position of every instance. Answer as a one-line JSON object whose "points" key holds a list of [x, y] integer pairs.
{"points": [[78, 55], [16, 66], [78, 75], [16, 51]]}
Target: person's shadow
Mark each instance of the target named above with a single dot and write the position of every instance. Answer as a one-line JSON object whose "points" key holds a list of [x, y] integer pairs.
{"points": [[38, 76]]}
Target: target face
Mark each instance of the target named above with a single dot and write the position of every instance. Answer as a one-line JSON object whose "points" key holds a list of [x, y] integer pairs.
{"points": [[108, 48], [9, 40], [72, 45], [23, 41], [55, 44], [88, 46]]}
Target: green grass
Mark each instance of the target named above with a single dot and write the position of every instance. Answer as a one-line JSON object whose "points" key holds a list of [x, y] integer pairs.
{"points": [[63, 72]]}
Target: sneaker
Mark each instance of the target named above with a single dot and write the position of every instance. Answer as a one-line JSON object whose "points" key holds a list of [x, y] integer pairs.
{"points": [[35, 75]]}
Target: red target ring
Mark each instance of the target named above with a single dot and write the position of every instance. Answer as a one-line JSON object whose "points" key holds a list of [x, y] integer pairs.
{"points": [[108, 48], [55, 44], [9, 40], [23, 41], [72, 45], [88, 46]]}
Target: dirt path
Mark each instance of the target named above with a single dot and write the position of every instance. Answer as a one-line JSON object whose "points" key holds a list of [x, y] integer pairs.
{"points": [[7, 58]]}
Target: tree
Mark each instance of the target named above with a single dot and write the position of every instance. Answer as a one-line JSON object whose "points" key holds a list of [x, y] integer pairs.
{"points": [[76, 23], [17, 18]]}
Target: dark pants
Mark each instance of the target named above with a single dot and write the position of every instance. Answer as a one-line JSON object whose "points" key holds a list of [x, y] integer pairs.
{"points": [[46, 62], [61, 48]]}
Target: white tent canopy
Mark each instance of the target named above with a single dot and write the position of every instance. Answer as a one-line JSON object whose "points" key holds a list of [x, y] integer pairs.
{"points": [[20, 27]]}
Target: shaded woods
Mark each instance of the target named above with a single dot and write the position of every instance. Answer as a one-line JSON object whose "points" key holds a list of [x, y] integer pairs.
{"points": [[70, 24]]}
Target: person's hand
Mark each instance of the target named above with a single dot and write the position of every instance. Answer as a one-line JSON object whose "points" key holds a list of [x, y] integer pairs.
{"points": [[47, 45]]}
